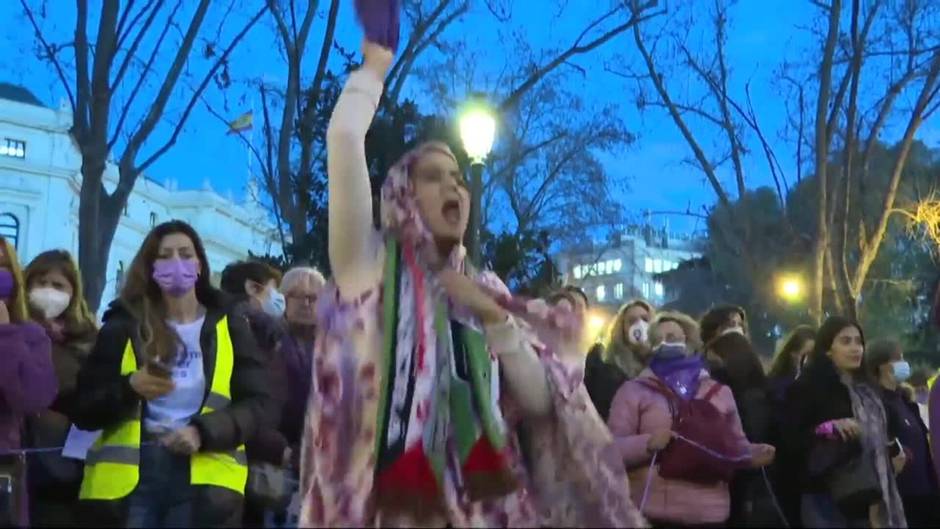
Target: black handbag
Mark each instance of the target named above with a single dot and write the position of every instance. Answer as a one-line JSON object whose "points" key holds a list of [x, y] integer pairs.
{"points": [[850, 476], [854, 486]]}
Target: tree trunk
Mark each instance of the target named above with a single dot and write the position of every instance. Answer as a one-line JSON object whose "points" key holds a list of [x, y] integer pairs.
{"points": [[822, 160]]}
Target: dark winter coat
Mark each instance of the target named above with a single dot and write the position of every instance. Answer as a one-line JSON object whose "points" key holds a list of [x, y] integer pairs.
{"points": [[105, 397]]}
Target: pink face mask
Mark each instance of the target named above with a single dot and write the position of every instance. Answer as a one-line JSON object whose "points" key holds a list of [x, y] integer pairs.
{"points": [[175, 277]]}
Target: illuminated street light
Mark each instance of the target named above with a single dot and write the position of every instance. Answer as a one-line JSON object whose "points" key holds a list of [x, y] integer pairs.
{"points": [[596, 321], [790, 288], [477, 132]]}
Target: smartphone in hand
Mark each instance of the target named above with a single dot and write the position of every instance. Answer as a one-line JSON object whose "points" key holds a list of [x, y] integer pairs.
{"points": [[159, 369], [894, 448]]}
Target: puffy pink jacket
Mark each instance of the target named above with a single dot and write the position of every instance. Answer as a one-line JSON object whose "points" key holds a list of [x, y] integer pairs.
{"points": [[638, 411]]}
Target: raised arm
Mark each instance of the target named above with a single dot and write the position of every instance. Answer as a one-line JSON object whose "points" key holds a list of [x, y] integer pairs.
{"points": [[353, 242]]}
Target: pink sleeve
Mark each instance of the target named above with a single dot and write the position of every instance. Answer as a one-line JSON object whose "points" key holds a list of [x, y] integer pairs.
{"points": [[624, 422]]}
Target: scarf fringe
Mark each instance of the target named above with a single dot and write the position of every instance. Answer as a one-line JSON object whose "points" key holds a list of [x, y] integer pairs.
{"points": [[486, 472], [409, 487]]}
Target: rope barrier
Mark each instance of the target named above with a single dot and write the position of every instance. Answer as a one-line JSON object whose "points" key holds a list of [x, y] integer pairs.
{"points": [[717, 455]]}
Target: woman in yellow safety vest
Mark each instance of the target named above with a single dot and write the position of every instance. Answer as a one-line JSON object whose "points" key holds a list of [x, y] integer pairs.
{"points": [[177, 386]]}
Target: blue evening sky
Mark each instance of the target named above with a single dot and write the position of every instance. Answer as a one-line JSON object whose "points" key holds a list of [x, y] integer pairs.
{"points": [[762, 35]]}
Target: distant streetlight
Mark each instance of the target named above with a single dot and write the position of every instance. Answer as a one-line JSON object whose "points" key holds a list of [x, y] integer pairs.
{"points": [[790, 288], [596, 321], [477, 132]]}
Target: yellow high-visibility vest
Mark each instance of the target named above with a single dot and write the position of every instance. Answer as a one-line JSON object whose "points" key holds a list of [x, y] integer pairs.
{"points": [[112, 466]]}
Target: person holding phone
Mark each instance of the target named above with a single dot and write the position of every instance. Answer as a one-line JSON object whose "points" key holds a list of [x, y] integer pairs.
{"points": [[836, 426], [177, 385], [909, 449]]}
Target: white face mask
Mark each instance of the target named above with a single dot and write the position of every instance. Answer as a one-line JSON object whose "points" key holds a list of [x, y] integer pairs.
{"points": [[274, 304], [735, 329], [638, 333], [51, 302]]}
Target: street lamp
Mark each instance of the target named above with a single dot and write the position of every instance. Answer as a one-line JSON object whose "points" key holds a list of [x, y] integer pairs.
{"points": [[477, 132], [790, 288], [596, 322]]}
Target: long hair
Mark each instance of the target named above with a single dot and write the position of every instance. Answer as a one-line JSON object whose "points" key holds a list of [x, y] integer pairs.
{"points": [[17, 303], [616, 349], [79, 320], [141, 296], [783, 364], [819, 361], [740, 364]]}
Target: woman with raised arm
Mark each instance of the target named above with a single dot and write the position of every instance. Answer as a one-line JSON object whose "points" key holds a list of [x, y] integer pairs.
{"points": [[425, 371]]}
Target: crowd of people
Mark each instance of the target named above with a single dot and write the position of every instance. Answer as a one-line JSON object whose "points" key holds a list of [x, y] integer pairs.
{"points": [[413, 389]]}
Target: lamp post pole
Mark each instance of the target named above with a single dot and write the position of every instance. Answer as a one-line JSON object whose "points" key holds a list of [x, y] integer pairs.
{"points": [[476, 193], [477, 131]]}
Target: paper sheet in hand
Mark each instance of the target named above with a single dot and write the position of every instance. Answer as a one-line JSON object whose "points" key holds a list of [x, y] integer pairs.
{"points": [[78, 442]]}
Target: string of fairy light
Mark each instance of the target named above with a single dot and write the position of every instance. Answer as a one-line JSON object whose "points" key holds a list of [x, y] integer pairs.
{"points": [[926, 214]]}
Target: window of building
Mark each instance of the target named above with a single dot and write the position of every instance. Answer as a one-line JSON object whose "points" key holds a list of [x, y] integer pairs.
{"points": [[577, 271], [153, 219], [648, 265], [618, 291], [646, 289], [601, 293], [13, 148], [658, 289], [657, 265], [609, 265], [10, 229], [618, 264]]}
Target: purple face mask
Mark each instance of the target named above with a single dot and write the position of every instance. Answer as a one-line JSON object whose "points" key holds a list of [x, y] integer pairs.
{"points": [[6, 284], [175, 277]]}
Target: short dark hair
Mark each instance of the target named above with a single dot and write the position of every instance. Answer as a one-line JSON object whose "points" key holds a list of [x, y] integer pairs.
{"points": [[235, 275], [879, 353], [716, 317]]}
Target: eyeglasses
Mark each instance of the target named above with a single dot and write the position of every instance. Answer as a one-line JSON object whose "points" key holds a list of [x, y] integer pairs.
{"points": [[301, 298]]}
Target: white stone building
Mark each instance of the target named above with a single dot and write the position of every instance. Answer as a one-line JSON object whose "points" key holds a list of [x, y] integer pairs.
{"points": [[617, 271], [40, 177]]}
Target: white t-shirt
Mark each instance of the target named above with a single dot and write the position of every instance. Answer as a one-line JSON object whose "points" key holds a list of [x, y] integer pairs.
{"points": [[174, 410]]}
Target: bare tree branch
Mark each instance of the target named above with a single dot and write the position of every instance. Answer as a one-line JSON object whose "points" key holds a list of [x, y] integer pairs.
{"points": [[148, 68], [637, 16], [195, 98], [50, 53]]}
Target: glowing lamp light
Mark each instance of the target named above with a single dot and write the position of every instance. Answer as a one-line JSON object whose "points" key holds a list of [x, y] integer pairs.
{"points": [[477, 130], [595, 324], [790, 288]]}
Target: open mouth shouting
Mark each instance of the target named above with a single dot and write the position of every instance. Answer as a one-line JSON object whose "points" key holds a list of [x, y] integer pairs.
{"points": [[450, 211]]}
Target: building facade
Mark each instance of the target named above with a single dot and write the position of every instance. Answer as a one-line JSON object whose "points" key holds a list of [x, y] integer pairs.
{"points": [[625, 268], [40, 178]]}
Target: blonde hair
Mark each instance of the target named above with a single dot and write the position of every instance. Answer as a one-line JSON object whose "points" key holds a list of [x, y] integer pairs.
{"points": [[693, 339], [616, 349], [298, 275], [17, 303]]}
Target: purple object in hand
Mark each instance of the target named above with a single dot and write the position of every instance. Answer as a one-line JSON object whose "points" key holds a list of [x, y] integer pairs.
{"points": [[379, 19]]}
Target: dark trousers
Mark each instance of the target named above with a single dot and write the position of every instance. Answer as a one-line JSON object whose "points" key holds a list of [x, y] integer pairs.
{"points": [[164, 496], [922, 511]]}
